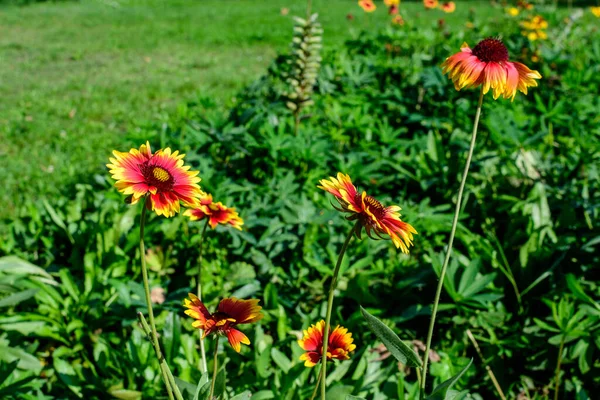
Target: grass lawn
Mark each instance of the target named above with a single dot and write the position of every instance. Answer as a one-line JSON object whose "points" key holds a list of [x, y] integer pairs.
{"points": [[77, 77]]}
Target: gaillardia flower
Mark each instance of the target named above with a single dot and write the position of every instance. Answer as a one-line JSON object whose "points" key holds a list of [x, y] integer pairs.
{"points": [[216, 213], [230, 313], [487, 65], [448, 7], [373, 216], [160, 176], [367, 5], [430, 4], [339, 344]]}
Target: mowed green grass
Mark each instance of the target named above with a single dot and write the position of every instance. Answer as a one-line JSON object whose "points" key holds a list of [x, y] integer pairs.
{"points": [[78, 78]]}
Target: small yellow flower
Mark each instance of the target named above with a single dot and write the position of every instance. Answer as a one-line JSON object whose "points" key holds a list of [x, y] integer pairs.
{"points": [[390, 3], [512, 11], [595, 11]]}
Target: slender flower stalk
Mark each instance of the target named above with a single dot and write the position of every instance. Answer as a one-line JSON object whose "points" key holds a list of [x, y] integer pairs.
{"points": [[215, 369], [438, 292], [557, 373], [332, 287], [314, 393], [203, 367], [149, 304]]}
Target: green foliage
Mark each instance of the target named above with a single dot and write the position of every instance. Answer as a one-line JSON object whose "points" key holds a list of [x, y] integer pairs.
{"points": [[521, 278]]}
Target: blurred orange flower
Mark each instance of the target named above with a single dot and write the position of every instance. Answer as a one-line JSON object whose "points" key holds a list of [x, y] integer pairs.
{"points": [[430, 4], [339, 344], [161, 177], [398, 20], [487, 64], [230, 313], [367, 5], [448, 7], [373, 216], [216, 213]]}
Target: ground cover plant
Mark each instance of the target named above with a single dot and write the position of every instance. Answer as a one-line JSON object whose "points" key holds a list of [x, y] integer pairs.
{"points": [[125, 295]]}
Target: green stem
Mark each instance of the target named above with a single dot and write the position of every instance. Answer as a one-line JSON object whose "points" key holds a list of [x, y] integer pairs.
{"points": [[557, 374], [215, 368], [332, 287], [164, 367], [203, 366], [449, 249], [314, 394], [154, 336]]}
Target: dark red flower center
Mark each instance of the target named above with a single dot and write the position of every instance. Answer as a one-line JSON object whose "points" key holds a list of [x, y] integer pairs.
{"points": [[491, 50], [157, 177], [374, 206]]}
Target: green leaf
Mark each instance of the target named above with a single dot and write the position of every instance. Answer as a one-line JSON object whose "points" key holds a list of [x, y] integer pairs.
{"points": [[281, 360], [188, 390], [263, 395], [443, 392], [400, 350], [350, 397], [242, 396], [124, 394], [16, 298]]}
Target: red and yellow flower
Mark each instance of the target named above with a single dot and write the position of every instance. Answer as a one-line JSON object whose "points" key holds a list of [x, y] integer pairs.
{"points": [[430, 4], [398, 20], [339, 344], [161, 176], [216, 213], [487, 65], [373, 216], [367, 5], [230, 313], [448, 7]]}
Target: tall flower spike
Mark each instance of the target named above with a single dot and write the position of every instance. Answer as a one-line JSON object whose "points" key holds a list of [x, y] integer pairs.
{"points": [[487, 65], [373, 216], [340, 344], [230, 313], [216, 213], [161, 176]]}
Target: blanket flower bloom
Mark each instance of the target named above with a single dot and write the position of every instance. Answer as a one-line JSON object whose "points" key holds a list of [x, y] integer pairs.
{"points": [[367, 5], [339, 344], [216, 213], [487, 65], [230, 313], [160, 176], [430, 4], [373, 216], [448, 7]]}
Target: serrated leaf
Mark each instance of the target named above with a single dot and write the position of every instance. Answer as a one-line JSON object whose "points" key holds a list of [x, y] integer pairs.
{"points": [[443, 392], [400, 350]]}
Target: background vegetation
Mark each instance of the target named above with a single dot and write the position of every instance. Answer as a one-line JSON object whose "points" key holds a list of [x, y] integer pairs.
{"points": [[210, 79]]}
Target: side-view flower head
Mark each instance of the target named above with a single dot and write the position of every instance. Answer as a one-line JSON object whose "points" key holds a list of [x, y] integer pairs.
{"points": [[487, 65], [448, 7], [160, 176], [373, 216], [230, 313], [367, 5], [339, 344], [217, 213]]}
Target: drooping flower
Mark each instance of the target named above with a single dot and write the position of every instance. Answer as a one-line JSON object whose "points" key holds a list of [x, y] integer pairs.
{"points": [[160, 176], [487, 65], [512, 11], [339, 344], [430, 4], [393, 10], [230, 313], [216, 213], [373, 216], [595, 11], [448, 7], [398, 20], [367, 5]]}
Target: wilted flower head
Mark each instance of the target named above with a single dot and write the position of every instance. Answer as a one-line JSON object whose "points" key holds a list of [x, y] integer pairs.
{"points": [[448, 7], [230, 313], [367, 5], [430, 4], [216, 213], [373, 216], [339, 344], [161, 176], [487, 65]]}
